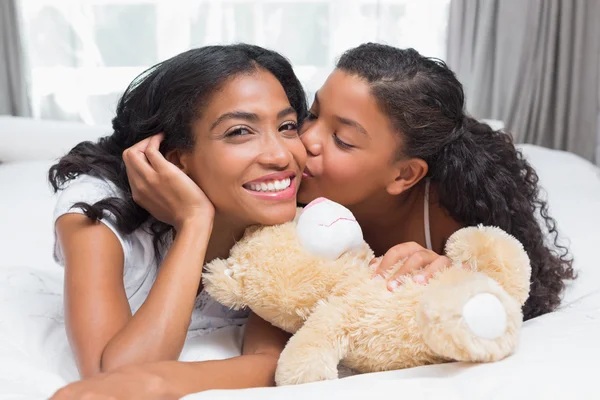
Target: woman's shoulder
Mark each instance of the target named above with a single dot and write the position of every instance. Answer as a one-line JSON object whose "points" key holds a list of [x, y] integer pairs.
{"points": [[84, 189], [138, 252], [89, 185]]}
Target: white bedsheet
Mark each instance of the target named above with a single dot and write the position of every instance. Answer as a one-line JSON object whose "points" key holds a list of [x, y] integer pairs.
{"points": [[557, 357]]}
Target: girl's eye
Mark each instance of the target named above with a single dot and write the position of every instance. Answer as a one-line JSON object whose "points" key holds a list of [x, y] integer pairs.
{"points": [[343, 145], [239, 131], [309, 117]]}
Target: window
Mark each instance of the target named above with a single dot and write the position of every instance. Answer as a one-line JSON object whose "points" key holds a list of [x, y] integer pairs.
{"points": [[84, 53]]}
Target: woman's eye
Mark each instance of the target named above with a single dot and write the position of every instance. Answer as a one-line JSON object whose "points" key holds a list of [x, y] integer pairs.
{"points": [[340, 143], [289, 126], [310, 116], [240, 131]]}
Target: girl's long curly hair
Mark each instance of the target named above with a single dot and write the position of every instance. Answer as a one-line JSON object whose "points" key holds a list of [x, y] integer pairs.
{"points": [[482, 177]]}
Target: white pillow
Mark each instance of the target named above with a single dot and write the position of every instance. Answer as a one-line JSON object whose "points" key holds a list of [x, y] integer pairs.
{"points": [[24, 139], [26, 205], [573, 188]]}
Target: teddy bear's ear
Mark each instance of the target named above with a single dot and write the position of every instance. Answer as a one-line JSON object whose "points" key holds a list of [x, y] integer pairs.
{"points": [[328, 229], [223, 281]]}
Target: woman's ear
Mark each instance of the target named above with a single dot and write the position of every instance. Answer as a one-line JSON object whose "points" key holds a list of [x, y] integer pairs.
{"points": [[406, 174], [178, 158]]}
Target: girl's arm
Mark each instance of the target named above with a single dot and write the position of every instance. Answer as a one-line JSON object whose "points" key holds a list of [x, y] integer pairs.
{"points": [[171, 380], [102, 332]]}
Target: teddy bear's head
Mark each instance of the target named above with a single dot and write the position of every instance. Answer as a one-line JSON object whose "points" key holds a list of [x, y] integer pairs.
{"points": [[281, 271]]}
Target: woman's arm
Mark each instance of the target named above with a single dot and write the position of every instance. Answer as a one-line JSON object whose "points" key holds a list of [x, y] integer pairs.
{"points": [[158, 329], [96, 306], [102, 332], [170, 379], [263, 343]]}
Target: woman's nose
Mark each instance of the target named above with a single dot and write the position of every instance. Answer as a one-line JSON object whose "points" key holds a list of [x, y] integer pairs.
{"points": [[275, 154], [312, 142]]}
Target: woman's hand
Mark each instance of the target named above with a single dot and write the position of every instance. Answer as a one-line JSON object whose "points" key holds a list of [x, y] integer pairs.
{"points": [[162, 188], [415, 260], [129, 383]]}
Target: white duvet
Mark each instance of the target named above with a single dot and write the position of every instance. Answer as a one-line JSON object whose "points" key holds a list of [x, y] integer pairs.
{"points": [[557, 356]]}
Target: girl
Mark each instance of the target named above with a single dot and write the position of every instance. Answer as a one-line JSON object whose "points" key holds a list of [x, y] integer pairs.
{"points": [[388, 137], [229, 119]]}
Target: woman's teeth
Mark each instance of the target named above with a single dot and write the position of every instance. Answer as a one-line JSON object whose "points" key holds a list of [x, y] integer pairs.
{"points": [[273, 186]]}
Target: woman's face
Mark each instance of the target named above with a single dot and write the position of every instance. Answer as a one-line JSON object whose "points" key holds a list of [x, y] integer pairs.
{"points": [[350, 143], [248, 157]]}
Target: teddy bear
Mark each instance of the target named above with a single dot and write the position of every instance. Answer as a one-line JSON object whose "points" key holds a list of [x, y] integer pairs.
{"points": [[311, 278]]}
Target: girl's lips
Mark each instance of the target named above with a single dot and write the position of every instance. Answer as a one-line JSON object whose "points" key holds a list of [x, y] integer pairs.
{"points": [[307, 173]]}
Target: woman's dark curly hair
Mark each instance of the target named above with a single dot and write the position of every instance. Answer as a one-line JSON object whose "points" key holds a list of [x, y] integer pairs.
{"points": [[481, 176], [167, 98]]}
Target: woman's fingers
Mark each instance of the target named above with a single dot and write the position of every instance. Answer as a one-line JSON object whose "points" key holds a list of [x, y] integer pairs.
{"points": [[135, 159], [152, 153], [162, 188], [140, 173]]}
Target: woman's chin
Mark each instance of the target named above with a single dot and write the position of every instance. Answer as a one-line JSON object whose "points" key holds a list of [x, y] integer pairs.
{"points": [[305, 196], [277, 214]]}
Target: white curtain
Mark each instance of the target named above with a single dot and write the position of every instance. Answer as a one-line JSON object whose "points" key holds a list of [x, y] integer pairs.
{"points": [[13, 80], [533, 64], [598, 124], [83, 53]]}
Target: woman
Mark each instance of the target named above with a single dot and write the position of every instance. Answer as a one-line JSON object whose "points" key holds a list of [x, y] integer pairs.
{"points": [[387, 136], [228, 118]]}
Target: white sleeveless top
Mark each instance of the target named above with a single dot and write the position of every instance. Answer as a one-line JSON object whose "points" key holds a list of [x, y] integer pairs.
{"points": [[140, 266]]}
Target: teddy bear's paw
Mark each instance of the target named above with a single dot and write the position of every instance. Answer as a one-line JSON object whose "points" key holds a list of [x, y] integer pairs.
{"points": [[469, 317], [223, 282], [304, 371], [305, 359]]}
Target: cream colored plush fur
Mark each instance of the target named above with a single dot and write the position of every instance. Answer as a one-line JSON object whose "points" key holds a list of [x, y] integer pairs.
{"points": [[338, 313]]}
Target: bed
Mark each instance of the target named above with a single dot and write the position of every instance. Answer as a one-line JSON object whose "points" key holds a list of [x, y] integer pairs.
{"points": [[557, 356]]}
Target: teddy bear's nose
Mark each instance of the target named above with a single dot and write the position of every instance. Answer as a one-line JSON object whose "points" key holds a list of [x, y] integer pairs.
{"points": [[328, 230], [315, 202]]}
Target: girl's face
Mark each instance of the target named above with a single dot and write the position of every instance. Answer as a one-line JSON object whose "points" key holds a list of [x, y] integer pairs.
{"points": [[351, 144], [248, 157]]}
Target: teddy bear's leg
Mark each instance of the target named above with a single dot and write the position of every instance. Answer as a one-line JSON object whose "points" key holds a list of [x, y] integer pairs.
{"points": [[467, 316], [496, 253], [314, 352]]}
